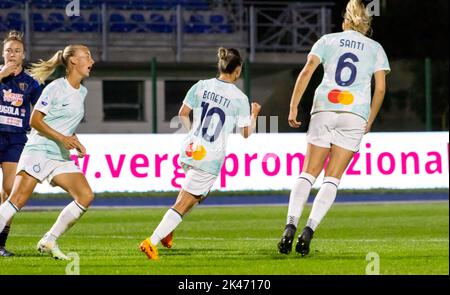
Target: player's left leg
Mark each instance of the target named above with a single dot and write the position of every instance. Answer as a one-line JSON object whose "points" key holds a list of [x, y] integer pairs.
{"points": [[9, 173], [78, 187], [168, 224], [339, 160], [314, 162]]}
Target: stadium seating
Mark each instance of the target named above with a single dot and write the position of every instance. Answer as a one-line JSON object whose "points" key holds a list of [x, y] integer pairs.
{"points": [[141, 16]]}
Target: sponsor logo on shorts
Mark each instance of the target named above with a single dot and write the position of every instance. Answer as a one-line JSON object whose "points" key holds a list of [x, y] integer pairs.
{"points": [[37, 168]]}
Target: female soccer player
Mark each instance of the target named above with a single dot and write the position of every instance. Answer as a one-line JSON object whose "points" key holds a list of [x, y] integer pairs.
{"points": [[218, 107], [46, 155], [18, 91], [342, 113]]}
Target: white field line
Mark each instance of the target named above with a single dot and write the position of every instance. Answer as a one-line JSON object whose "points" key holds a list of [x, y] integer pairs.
{"points": [[438, 240]]}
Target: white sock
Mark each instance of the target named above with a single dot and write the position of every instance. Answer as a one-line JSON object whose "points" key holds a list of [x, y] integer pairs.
{"points": [[7, 211], [169, 222], [68, 216], [323, 201], [299, 196]]}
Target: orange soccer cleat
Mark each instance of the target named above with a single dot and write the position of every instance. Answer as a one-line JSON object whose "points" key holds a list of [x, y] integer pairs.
{"points": [[149, 249], [167, 241]]}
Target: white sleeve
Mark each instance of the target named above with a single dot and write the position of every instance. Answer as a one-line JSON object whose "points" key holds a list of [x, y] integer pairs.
{"points": [[46, 100]]}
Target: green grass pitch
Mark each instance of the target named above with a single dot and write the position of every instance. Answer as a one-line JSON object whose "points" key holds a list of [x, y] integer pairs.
{"points": [[409, 239]]}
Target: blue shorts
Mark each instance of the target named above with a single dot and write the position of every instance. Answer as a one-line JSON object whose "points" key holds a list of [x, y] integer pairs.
{"points": [[11, 146]]}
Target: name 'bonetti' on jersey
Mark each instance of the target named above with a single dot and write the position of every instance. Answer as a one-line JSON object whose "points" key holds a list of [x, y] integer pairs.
{"points": [[217, 98], [351, 44]]}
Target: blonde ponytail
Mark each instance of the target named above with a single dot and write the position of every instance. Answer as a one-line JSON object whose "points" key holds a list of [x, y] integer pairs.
{"points": [[357, 17], [43, 69]]}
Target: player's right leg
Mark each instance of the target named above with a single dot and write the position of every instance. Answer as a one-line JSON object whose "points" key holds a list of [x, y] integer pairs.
{"points": [[77, 186], [195, 188], [23, 187], [169, 222], [314, 161]]}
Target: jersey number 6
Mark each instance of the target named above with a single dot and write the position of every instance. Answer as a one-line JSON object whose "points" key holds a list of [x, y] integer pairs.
{"points": [[342, 64]]}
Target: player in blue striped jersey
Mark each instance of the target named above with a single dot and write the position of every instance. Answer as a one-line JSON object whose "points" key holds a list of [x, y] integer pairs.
{"points": [[18, 92]]}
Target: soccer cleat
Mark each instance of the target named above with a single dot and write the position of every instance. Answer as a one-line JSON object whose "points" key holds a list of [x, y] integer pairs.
{"points": [[149, 249], [5, 253], [304, 240], [51, 248], [285, 245], [167, 241]]}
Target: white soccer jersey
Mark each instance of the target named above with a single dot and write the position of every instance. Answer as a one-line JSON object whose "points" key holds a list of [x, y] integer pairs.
{"points": [[63, 107], [218, 107], [349, 59]]}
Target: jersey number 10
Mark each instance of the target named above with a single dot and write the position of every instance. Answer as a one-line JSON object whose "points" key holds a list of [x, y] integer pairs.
{"points": [[205, 121]]}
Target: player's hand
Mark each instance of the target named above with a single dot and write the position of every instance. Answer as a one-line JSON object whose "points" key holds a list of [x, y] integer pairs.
{"points": [[9, 68], [368, 127], [293, 119], [81, 150], [69, 142], [256, 108]]}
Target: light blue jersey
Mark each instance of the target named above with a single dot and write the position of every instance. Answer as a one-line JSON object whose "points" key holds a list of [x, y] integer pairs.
{"points": [[218, 107], [349, 59], [63, 107]]}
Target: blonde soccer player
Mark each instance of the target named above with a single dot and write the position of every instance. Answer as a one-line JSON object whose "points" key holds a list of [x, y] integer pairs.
{"points": [[18, 92], [218, 107], [342, 113], [46, 155]]}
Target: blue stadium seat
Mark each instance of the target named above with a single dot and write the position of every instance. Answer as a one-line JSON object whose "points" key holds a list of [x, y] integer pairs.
{"points": [[159, 4], [43, 4], [118, 24], [158, 24], [14, 21], [6, 4], [139, 20], [39, 24], [196, 25], [61, 4], [3, 27], [218, 25], [57, 21], [120, 4], [194, 4]]}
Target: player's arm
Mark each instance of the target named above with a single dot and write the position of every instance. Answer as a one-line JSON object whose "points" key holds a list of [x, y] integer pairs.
{"points": [[184, 113], [300, 86], [247, 131], [378, 97], [37, 122]]}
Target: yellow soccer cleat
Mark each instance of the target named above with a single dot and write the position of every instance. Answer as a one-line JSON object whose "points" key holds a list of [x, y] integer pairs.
{"points": [[149, 249], [167, 241]]}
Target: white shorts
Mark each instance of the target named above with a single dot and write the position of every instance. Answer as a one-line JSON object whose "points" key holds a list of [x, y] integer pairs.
{"points": [[345, 130], [43, 168], [198, 182]]}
